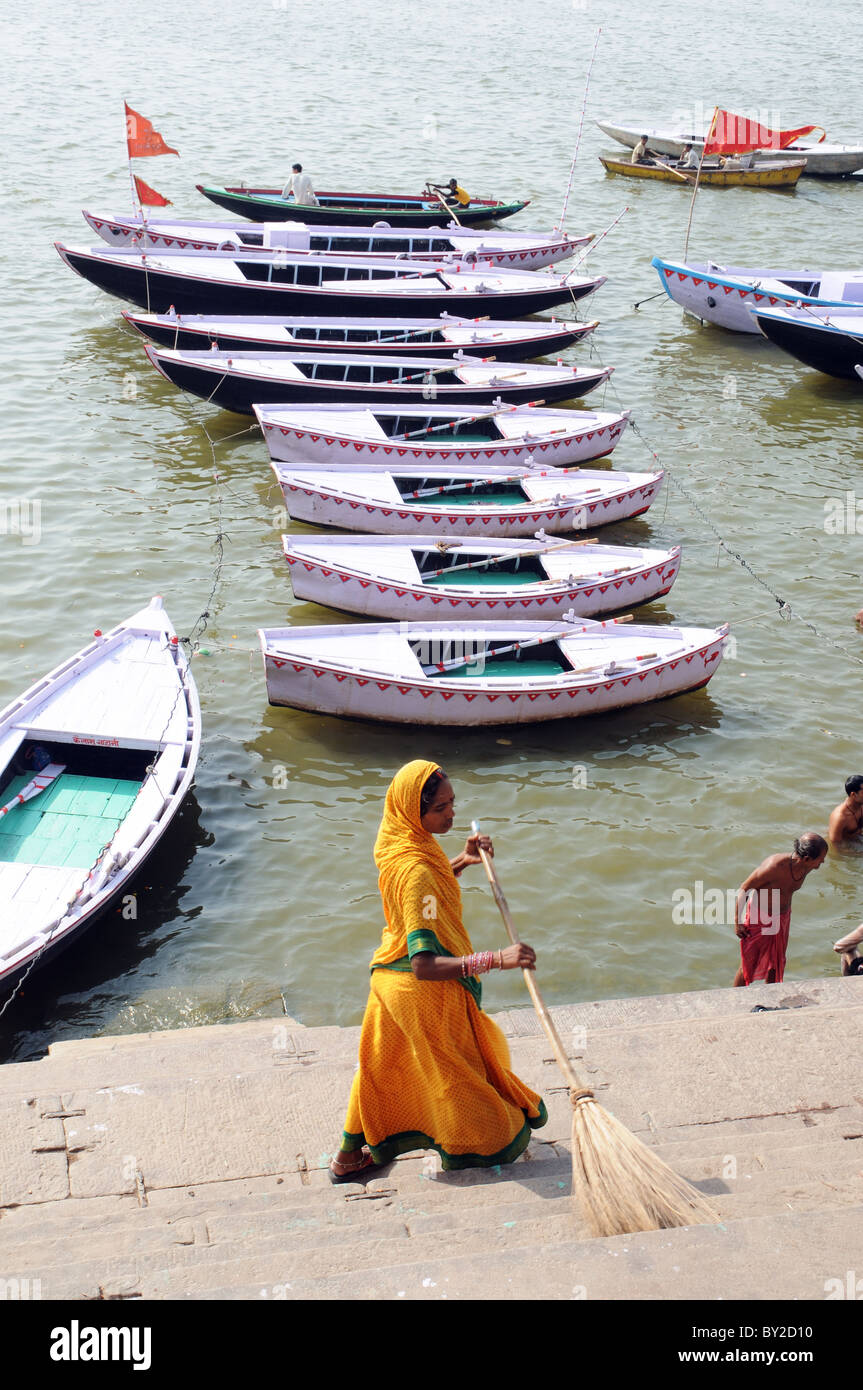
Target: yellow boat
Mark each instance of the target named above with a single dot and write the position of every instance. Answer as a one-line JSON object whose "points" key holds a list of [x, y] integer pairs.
{"points": [[780, 175]]}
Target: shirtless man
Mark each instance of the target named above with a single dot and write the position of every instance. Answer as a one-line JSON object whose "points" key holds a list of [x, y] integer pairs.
{"points": [[852, 961], [763, 932], [846, 822]]}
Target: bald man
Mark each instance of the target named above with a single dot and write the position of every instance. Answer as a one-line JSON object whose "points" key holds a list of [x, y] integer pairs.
{"points": [[767, 893]]}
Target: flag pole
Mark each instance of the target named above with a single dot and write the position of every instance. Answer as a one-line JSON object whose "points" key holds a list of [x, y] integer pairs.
{"points": [[562, 221], [135, 202], [697, 177]]}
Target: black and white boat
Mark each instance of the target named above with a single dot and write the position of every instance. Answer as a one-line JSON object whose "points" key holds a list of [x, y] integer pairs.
{"points": [[507, 341], [506, 250], [828, 339], [281, 282], [239, 381]]}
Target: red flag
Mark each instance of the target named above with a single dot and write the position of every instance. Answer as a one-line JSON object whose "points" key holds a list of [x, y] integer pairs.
{"points": [[148, 195], [141, 138], [730, 134]]}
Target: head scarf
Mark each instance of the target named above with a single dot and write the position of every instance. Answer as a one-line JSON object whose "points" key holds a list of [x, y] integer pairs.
{"points": [[403, 848]]}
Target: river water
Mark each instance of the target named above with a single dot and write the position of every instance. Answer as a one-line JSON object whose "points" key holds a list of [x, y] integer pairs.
{"points": [[264, 898]]}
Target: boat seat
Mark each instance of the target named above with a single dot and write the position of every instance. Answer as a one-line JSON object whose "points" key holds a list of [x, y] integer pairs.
{"points": [[479, 579]]}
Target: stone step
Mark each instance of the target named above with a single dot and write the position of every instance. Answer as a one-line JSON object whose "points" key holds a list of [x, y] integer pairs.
{"points": [[791, 1256], [353, 1226]]}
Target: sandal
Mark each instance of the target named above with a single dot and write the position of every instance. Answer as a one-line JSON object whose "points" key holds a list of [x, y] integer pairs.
{"points": [[347, 1173]]}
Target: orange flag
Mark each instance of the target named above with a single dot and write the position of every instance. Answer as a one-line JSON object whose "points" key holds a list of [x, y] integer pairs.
{"points": [[148, 195], [141, 138], [730, 134]]}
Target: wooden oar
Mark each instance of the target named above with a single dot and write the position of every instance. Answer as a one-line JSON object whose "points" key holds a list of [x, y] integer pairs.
{"points": [[416, 332], [622, 1185], [463, 420], [449, 209], [685, 177], [436, 371], [557, 636], [40, 782], [508, 555], [482, 481]]}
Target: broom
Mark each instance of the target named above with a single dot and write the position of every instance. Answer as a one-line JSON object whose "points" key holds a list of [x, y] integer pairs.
{"points": [[622, 1185]]}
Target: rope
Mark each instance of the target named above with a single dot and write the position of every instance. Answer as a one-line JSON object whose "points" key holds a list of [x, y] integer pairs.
{"points": [[784, 608]]}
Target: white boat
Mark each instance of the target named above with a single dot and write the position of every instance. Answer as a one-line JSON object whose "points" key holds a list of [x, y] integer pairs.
{"points": [[822, 160], [463, 499], [120, 725], [506, 250], [437, 434], [421, 577], [724, 295], [484, 672]]}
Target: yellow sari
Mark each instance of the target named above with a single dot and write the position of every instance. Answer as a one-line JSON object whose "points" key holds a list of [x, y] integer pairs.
{"points": [[433, 1068]]}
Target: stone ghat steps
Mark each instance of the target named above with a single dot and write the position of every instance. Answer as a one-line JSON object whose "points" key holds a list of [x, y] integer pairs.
{"points": [[308, 1229], [780, 1257]]}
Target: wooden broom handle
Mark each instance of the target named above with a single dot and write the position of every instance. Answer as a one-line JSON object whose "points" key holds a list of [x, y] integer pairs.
{"points": [[532, 987]]}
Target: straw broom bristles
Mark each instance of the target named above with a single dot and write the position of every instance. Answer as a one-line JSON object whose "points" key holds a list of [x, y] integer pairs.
{"points": [[621, 1185]]}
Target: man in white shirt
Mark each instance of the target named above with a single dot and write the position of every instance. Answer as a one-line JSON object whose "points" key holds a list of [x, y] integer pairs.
{"points": [[689, 159], [300, 186]]}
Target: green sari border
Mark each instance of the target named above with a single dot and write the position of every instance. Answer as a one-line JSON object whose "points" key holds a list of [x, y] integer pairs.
{"points": [[396, 1144], [423, 940]]}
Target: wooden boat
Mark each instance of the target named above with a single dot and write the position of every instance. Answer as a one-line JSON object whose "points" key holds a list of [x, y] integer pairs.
{"points": [[355, 209], [510, 341], [241, 380], [121, 725], [506, 250], [484, 672], [828, 339], [421, 577], [463, 499], [775, 174], [437, 435], [823, 160], [279, 282], [724, 294]]}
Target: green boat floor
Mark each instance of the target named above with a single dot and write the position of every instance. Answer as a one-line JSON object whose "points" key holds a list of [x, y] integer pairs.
{"points": [[506, 497], [67, 824], [500, 669], [490, 579]]}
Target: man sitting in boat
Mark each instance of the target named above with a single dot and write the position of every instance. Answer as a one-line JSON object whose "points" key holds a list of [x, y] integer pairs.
{"points": [[453, 194], [730, 162], [300, 186], [688, 159], [641, 154]]}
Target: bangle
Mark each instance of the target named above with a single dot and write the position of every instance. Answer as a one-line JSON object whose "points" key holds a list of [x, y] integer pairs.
{"points": [[500, 960]]}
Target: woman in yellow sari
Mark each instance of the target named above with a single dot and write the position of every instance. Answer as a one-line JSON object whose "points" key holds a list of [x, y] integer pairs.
{"points": [[433, 1068]]}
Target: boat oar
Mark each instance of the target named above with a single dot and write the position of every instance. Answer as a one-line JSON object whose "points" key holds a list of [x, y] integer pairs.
{"points": [[685, 177], [500, 409], [40, 782], [442, 199], [621, 1184], [417, 332], [508, 555], [473, 483], [454, 662], [448, 366]]}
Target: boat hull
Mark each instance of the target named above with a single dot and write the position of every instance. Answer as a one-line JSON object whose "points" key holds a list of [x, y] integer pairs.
{"points": [[158, 291], [313, 500], [305, 682], [724, 297], [816, 345], [319, 578], [244, 335], [289, 440], [128, 695], [267, 204], [777, 176], [238, 390]]}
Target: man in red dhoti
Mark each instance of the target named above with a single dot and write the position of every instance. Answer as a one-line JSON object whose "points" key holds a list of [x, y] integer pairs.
{"points": [[767, 893]]}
